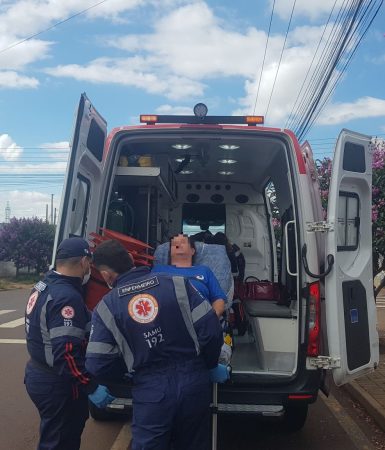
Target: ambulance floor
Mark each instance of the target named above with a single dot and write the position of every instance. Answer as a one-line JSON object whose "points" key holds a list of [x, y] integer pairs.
{"points": [[248, 358]]}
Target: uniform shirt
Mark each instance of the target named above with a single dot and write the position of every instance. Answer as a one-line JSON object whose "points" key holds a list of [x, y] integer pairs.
{"points": [[150, 319], [201, 277], [57, 325]]}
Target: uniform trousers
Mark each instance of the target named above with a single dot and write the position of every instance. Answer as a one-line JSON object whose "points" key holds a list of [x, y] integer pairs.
{"points": [[63, 409], [171, 407]]}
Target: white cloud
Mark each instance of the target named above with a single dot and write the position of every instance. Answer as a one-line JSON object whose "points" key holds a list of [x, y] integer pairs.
{"points": [[9, 150], [288, 85], [25, 17], [193, 43], [21, 19], [190, 46], [130, 72], [336, 113], [10, 79], [172, 110], [187, 46], [313, 9], [18, 57]]}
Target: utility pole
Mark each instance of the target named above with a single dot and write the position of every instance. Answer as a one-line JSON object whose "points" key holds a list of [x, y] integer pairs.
{"points": [[51, 208], [7, 213], [54, 218], [46, 212]]}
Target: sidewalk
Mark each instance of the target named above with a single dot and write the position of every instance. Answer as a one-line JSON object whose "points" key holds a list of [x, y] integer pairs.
{"points": [[369, 390]]}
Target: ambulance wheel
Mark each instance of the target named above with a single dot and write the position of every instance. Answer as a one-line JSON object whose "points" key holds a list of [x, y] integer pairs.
{"points": [[295, 418], [98, 413]]}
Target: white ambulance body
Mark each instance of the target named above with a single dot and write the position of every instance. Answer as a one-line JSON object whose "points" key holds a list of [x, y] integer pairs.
{"points": [[158, 179]]}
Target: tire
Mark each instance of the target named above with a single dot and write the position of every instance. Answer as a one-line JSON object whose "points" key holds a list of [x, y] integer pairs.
{"points": [[98, 413], [295, 418]]}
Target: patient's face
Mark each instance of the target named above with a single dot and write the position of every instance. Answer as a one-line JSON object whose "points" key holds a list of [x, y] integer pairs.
{"points": [[181, 250]]}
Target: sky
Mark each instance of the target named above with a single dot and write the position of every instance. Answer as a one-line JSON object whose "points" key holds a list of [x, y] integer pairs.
{"points": [[135, 57]]}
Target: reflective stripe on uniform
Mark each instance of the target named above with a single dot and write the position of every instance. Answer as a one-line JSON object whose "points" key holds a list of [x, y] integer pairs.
{"points": [[200, 311], [184, 305], [66, 331], [102, 348], [45, 333], [109, 321]]}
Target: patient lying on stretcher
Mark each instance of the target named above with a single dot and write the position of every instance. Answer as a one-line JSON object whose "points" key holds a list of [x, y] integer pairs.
{"points": [[182, 251]]}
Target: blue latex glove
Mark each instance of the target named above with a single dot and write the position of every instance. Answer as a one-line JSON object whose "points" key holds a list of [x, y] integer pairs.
{"points": [[219, 374], [101, 397]]}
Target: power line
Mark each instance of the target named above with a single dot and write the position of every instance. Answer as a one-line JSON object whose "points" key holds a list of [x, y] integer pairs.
{"points": [[353, 51], [310, 66], [280, 58], [51, 27], [264, 56], [322, 65], [352, 28]]}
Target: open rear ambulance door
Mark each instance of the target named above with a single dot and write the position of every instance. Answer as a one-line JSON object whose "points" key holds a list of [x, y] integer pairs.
{"points": [[350, 306], [79, 210]]}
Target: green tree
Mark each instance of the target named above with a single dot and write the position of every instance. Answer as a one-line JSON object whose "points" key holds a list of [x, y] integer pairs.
{"points": [[27, 242]]}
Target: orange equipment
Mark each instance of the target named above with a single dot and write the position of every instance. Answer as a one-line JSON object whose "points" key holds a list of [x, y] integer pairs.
{"points": [[97, 287]]}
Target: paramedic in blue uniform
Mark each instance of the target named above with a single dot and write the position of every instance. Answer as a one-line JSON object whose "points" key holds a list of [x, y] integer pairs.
{"points": [[182, 251], [170, 337], [57, 325]]}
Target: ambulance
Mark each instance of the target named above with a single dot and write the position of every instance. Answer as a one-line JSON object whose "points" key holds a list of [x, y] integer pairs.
{"points": [[259, 186]]}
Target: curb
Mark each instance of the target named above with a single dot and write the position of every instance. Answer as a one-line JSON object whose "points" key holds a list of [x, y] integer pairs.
{"points": [[368, 402]]}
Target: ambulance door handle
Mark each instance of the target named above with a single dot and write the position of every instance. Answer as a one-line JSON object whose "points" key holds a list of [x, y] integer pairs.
{"points": [[287, 249], [329, 260]]}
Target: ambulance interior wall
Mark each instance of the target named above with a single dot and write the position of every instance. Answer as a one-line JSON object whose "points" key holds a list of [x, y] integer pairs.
{"points": [[136, 213]]}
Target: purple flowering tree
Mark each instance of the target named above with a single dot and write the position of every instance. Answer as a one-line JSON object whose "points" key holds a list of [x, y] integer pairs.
{"points": [[378, 203], [27, 242]]}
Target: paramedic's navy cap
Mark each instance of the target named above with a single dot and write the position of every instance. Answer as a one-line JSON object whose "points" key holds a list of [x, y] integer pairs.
{"points": [[73, 247]]}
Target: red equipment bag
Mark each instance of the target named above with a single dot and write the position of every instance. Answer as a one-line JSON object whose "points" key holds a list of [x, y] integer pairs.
{"points": [[96, 287], [254, 289]]}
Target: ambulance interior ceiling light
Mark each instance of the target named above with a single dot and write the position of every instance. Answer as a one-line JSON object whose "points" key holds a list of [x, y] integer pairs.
{"points": [[227, 161], [181, 146], [179, 160], [228, 147], [186, 172], [225, 172]]}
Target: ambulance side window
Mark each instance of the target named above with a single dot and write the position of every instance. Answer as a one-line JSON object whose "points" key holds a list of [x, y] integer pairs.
{"points": [[348, 221], [95, 140], [80, 206]]}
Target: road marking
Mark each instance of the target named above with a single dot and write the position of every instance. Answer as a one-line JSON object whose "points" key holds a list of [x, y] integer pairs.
{"points": [[6, 311], [354, 432], [13, 341], [13, 323], [123, 440]]}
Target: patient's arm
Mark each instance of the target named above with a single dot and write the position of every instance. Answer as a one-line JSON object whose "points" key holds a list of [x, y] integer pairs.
{"points": [[219, 306]]}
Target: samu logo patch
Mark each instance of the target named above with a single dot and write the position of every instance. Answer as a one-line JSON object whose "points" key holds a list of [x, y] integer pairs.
{"points": [[31, 302], [143, 308]]}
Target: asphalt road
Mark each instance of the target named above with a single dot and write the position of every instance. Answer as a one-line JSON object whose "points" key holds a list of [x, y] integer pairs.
{"points": [[334, 423]]}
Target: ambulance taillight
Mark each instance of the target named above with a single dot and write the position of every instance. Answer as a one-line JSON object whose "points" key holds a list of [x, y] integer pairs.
{"points": [[314, 319]]}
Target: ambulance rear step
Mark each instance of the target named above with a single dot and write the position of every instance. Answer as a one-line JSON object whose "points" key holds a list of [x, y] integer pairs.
{"points": [[263, 410]]}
